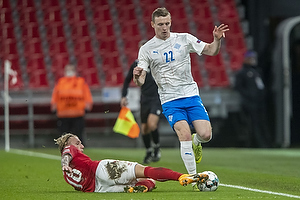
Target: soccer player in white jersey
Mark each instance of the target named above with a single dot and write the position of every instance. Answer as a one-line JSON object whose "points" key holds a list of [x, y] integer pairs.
{"points": [[168, 56]]}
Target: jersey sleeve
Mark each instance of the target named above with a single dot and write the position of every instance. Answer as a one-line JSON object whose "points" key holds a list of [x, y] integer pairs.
{"points": [[71, 150], [143, 60], [195, 45]]}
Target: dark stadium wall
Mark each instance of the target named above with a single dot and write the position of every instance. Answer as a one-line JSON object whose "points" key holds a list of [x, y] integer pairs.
{"points": [[264, 16]]}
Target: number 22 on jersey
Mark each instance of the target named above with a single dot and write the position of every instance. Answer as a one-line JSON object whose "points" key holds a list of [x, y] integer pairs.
{"points": [[169, 56]]}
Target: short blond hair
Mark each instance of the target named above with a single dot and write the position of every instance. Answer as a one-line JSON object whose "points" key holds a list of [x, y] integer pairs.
{"points": [[160, 12], [62, 141]]}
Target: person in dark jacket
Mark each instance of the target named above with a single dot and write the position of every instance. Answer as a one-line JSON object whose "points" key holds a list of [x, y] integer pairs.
{"points": [[150, 112], [249, 84]]}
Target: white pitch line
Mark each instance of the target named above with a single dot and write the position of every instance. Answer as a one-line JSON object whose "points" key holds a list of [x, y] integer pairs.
{"points": [[53, 157], [261, 191], [35, 154]]}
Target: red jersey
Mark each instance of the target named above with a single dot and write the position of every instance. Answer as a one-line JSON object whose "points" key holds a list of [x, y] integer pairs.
{"points": [[84, 169]]}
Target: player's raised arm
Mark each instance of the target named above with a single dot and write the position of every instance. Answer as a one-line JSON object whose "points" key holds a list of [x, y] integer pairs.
{"points": [[139, 76], [65, 161], [213, 48]]}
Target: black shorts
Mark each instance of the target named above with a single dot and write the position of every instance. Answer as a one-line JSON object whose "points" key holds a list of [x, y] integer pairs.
{"points": [[150, 106]]}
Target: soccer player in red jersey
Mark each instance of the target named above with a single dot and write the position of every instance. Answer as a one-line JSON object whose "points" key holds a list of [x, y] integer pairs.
{"points": [[110, 175]]}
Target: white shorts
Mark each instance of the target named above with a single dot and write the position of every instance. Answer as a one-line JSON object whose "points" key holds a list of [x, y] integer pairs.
{"points": [[114, 175]]}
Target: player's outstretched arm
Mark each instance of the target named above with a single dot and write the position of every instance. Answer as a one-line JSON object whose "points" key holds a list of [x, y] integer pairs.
{"points": [[65, 161], [139, 76], [213, 48]]}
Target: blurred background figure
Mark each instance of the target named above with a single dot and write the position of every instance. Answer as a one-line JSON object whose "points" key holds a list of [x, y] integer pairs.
{"points": [[150, 112], [249, 84], [71, 99]]}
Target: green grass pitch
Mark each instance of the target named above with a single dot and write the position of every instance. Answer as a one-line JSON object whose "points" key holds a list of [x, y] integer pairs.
{"points": [[274, 173]]}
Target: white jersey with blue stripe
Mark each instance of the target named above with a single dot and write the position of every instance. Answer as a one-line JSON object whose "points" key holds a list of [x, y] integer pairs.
{"points": [[170, 64]]}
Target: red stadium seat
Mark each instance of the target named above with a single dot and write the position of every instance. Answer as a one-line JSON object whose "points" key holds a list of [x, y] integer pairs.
{"points": [[91, 77], [177, 10], [32, 46], [101, 14], [57, 46], [4, 4], [114, 78], [27, 16], [52, 15], [70, 4], [108, 47], [38, 79], [110, 62], [218, 78], [196, 72], [59, 62], [21, 4], [79, 30], [30, 31], [86, 61], [6, 16], [36, 63], [77, 15], [9, 47], [148, 7], [105, 31], [53, 4], [82, 46], [214, 62], [55, 30], [7, 31]]}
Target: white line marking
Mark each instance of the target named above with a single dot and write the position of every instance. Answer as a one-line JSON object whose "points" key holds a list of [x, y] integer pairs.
{"points": [[261, 191], [53, 157], [35, 154]]}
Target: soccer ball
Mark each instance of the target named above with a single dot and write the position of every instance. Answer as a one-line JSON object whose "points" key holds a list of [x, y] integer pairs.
{"points": [[211, 184]]}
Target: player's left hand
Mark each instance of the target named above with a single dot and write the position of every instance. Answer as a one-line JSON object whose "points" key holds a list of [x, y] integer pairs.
{"points": [[219, 31]]}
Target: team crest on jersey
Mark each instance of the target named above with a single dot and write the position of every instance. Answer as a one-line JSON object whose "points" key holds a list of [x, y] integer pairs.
{"points": [[198, 41], [177, 46]]}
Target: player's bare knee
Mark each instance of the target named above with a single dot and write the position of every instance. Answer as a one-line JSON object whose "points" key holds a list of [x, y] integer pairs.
{"points": [[206, 136]]}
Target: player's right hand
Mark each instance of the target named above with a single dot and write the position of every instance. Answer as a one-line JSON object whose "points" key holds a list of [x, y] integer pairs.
{"points": [[137, 71]]}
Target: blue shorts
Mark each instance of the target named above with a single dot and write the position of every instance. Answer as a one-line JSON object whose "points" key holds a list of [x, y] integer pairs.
{"points": [[188, 109]]}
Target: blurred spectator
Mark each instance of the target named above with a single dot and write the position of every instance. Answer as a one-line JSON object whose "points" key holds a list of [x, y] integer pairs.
{"points": [[71, 98], [249, 84], [150, 112]]}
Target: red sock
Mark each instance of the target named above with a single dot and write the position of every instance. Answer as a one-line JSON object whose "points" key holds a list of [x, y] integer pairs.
{"points": [[161, 174], [148, 183]]}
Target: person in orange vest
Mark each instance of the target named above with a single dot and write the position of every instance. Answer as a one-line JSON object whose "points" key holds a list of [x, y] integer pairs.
{"points": [[71, 99]]}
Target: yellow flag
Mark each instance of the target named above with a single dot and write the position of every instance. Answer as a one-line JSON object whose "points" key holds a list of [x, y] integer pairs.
{"points": [[126, 124]]}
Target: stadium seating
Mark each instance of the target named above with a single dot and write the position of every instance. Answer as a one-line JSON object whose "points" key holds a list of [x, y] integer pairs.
{"points": [[50, 13], [130, 32], [34, 36], [235, 42]]}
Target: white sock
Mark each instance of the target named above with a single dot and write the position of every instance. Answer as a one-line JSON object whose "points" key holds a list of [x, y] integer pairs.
{"points": [[188, 156]]}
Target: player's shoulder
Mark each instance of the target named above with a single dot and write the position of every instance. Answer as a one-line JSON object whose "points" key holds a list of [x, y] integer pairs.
{"points": [[69, 149], [66, 150], [183, 37], [174, 34], [149, 43]]}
